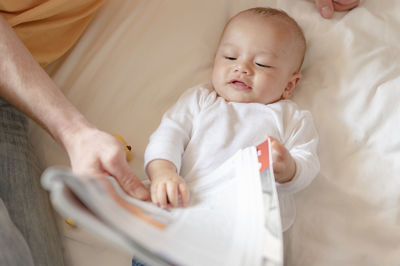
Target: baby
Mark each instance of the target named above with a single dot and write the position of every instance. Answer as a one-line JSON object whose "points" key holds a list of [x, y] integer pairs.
{"points": [[256, 70]]}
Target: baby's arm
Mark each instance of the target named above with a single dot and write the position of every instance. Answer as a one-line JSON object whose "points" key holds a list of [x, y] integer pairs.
{"points": [[283, 163], [300, 139], [167, 187]]}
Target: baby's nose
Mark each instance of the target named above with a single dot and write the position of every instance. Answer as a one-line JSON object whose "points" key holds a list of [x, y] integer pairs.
{"points": [[242, 68]]}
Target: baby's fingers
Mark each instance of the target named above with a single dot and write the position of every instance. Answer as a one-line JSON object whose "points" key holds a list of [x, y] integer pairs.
{"points": [[153, 193], [279, 151], [172, 191], [184, 192], [161, 195]]}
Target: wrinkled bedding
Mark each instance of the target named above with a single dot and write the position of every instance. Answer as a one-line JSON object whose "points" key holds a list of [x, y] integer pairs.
{"points": [[137, 57]]}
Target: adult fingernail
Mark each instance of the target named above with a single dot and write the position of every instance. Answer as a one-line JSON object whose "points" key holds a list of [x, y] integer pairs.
{"points": [[326, 11], [141, 193]]}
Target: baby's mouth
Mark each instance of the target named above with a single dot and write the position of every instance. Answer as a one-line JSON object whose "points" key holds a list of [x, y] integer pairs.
{"points": [[239, 85]]}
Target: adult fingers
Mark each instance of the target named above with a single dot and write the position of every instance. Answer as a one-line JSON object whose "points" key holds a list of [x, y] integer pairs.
{"points": [[343, 5], [119, 169], [325, 8]]}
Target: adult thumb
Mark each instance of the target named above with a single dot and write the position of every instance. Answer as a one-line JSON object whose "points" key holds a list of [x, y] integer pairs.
{"points": [[325, 8], [129, 181]]}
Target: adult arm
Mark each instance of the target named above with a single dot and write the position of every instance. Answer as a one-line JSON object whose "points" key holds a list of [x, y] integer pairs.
{"points": [[327, 7], [24, 84]]}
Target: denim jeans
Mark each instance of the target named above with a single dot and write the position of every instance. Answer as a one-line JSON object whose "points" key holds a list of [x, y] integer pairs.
{"points": [[136, 262], [13, 247], [32, 218]]}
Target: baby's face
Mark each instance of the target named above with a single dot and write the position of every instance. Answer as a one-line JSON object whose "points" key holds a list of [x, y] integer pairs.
{"points": [[255, 61]]}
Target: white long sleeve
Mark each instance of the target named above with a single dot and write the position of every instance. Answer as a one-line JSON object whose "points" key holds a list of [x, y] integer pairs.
{"points": [[202, 130]]}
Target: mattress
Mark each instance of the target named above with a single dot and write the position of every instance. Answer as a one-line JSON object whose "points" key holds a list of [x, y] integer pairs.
{"points": [[137, 57]]}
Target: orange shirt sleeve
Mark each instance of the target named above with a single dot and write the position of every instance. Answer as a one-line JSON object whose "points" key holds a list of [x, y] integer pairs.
{"points": [[49, 28]]}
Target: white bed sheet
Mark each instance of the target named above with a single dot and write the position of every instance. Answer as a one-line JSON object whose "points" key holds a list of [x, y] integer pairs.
{"points": [[137, 57]]}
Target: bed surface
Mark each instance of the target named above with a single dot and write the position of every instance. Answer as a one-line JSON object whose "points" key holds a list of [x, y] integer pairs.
{"points": [[137, 57]]}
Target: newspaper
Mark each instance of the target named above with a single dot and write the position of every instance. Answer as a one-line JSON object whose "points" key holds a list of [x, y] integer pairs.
{"points": [[233, 217]]}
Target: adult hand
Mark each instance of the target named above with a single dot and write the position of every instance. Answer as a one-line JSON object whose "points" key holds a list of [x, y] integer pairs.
{"points": [[327, 7], [96, 153], [24, 84]]}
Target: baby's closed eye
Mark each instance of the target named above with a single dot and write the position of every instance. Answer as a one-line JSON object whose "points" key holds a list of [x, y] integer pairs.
{"points": [[263, 65], [230, 58]]}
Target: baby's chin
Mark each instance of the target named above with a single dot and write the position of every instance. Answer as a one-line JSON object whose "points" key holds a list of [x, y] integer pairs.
{"points": [[247, 99], [237, 98]]}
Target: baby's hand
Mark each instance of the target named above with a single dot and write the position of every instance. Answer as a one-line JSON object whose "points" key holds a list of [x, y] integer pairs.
{"points": [[283, 163], [169, 190]]}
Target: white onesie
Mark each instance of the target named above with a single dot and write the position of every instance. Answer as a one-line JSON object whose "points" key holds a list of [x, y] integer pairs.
{"points": [[202, 130]]}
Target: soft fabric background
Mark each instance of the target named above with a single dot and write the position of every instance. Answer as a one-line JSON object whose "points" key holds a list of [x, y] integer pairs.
{"points": [[137, 57]]}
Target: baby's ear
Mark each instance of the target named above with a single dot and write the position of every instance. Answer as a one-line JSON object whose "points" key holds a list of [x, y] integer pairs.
{"points": [[292, 83]]}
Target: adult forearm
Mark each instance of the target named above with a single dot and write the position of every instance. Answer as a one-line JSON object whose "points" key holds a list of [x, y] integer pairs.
{"points": [[27, 86], [24, 84]]}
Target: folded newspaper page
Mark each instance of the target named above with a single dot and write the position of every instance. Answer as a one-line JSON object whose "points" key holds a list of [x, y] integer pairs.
{"points": [[233, 217]]}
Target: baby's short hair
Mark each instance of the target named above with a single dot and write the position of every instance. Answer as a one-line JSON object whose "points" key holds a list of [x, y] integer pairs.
{"points": [[293, 25]]}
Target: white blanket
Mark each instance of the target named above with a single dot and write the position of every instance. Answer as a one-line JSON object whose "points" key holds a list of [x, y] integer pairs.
{"points": [[137, 57]]}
